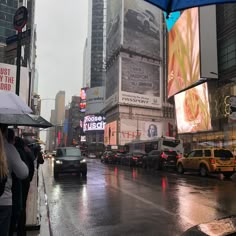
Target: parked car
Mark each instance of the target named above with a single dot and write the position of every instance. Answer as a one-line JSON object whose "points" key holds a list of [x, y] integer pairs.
{"points": [[69, 160], [107, 157], [207, 161], [116, 157], [132, 159], [159, 160]]}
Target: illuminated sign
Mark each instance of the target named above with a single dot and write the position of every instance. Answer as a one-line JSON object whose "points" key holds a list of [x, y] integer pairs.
{"points": [[192, 110], [93, 123]]}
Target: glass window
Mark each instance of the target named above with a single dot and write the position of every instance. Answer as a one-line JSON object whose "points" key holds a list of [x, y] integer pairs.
{"points": [[207, 153], [198, 153], [223, 153]]}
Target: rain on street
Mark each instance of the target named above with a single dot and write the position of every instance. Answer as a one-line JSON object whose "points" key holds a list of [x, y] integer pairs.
{"points": [[119, 200]]}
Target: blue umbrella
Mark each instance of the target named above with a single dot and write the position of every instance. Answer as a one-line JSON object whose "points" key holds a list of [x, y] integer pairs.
{"points": [[178, 5]]}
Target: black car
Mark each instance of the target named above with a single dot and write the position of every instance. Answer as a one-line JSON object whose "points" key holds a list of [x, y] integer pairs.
{"points": [[159, 160], [69, 160], [132, 159], [116, 157], [107, 157]]}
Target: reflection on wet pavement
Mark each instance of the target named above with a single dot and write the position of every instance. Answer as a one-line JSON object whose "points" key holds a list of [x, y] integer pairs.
{"points": [[118, 200]]}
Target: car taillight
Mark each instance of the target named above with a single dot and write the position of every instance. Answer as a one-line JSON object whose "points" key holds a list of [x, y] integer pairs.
{"points": [[212, 161], [234, 161], [106, 156], [178, 156], [115, 156], [135, 158], [163, 155]]}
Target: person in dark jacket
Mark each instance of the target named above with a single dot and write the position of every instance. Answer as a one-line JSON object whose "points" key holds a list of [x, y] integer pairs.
{"points": [[29, 160], [16, 188]]}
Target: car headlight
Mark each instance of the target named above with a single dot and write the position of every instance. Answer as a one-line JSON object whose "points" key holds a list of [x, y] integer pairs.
{"points": [[59, 162], [83, 161]]}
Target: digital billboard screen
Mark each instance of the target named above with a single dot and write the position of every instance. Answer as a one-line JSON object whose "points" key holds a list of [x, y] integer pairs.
{"points": [[94, 123], [192, 49], [192, 110], [183, 52]]}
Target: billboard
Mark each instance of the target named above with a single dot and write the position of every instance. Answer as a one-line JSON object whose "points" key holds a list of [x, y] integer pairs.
{"points": [[113, 26], [144, 130], [142, 28], [112, 81], [95, 100], [110, 133], [83, 97], [8, 80], [192, 49], [140, 83], [192, 110], [94, 123]]}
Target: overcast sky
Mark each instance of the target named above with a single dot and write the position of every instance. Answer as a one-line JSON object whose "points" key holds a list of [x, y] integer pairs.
{"points": [[61, 34]]}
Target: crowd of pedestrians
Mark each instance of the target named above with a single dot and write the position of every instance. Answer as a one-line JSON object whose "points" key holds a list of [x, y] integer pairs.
{"points": [[18, 159]]}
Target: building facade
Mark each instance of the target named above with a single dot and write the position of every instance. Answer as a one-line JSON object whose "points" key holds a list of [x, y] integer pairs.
{"points": [[135, 73], [74, 122], [7, 12], [97, 43]]}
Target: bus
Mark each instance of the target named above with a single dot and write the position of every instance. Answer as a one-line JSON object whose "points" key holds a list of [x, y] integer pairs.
{"points": [[158, 143]]}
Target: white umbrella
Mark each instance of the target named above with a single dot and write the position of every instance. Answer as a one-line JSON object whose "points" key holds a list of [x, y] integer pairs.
{"points": [[10, 103]]}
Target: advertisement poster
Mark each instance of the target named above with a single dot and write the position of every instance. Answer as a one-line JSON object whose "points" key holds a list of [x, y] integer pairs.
{"points": [[192, 110], [8, 80], [95, 100], [133, 129], [110, 133], [140, 83], [113, 26], [183, 53], [142, 28], [112, 80]]}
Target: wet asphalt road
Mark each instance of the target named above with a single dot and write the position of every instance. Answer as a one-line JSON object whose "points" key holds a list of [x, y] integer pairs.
{"points": [[118, 200]]}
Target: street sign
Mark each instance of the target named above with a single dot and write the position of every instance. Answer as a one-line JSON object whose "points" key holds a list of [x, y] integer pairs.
{"points": [[20, 18], [25, 36]]}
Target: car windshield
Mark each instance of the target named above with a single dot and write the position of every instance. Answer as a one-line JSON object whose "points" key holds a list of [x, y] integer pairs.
{"points": [[68, 152]]}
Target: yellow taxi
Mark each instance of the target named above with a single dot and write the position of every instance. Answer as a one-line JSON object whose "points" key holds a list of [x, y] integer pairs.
{"points": [[208, 161]]}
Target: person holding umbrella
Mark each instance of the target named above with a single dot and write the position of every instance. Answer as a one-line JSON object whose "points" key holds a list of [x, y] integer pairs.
{"points": [[19, 168]]}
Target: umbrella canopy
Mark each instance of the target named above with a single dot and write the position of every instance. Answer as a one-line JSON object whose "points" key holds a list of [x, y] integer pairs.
{"points": [[10, 103], [24, 120], [178, 5]]}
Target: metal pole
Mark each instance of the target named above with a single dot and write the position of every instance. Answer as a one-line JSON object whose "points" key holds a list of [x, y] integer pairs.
{"points": [[18, 63]]}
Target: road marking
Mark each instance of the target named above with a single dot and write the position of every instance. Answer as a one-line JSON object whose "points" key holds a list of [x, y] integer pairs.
{"points": [[154, 205]]}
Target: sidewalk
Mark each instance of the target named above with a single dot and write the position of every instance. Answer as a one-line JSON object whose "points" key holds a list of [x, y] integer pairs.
{"points": [[42, 210]]}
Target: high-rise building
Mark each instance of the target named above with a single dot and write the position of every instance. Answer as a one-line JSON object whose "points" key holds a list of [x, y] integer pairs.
{"points": [[7, 12], [96, 42], [60, 108], [135, 73], [74, 121]]}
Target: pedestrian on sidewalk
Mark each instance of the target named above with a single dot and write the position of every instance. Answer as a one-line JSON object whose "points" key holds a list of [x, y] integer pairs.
{"points": [[16, 189], [29, 160], [19, 168]]}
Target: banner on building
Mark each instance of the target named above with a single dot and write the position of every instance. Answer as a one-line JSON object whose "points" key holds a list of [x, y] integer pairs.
{"points": [[95, 100], [133, 129], [110, 133], [140, 83], [142, 28], [8, 80]]}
